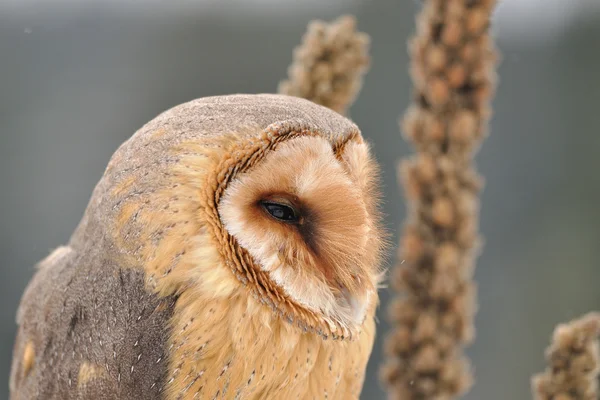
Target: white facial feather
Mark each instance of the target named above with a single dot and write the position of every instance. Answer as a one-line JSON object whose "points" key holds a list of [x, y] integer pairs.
{"points": [[307, 168]]}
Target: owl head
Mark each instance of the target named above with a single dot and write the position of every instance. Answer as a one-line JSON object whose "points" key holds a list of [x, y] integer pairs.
{"points": [[267, 195]]}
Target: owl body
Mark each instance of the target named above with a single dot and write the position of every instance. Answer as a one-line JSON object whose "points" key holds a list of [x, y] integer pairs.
{"points": [[230, 251]]}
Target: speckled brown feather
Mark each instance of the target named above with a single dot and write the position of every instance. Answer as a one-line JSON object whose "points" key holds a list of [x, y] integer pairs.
{"points": [[93, 331], [143, 303]]}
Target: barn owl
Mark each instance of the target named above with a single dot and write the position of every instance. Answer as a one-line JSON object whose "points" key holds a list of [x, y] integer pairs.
{"points": [[231, 250]]}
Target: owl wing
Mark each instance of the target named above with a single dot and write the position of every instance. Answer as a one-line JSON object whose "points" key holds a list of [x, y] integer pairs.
{"points": [[89, 330]]}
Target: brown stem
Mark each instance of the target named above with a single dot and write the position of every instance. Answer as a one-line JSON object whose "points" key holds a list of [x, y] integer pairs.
{"points": [[329, 64], [453, 60], [573, 362]]}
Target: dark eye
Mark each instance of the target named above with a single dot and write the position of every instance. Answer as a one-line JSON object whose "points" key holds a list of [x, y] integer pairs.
{"points": [[280, 211]]}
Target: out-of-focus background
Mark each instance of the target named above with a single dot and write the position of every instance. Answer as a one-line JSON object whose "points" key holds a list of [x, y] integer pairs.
{"points": [[79, 77]]}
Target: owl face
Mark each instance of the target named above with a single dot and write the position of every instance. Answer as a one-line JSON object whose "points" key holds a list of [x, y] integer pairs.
{"points": [[306, 214]]}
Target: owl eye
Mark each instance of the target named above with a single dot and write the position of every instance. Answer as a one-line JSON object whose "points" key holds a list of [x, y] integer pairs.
{"points": [[282, 212]]}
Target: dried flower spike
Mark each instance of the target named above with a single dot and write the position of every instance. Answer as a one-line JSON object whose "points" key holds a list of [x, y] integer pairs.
{"points": [[453, 62], [573, 362], [329, 65]]}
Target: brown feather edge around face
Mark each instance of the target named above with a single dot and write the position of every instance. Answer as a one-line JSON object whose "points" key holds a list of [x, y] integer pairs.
{"points": [[238, 158]]}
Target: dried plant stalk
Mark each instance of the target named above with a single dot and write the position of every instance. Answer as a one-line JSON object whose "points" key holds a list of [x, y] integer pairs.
{"points": [[573, 362], [329, 65], [453, 60]]}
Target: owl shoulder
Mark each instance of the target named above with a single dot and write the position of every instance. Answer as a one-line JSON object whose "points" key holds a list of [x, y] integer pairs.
{"points": [[89, 328]]}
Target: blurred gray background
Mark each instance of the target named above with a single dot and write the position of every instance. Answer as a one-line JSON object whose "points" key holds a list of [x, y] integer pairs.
{"points": [[77, 78]]}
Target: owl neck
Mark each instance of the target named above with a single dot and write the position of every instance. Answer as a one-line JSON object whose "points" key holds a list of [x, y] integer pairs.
{"points": [[226, 341]]}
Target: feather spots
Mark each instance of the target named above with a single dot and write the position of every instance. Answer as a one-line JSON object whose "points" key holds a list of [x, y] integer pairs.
{"points": [[28, 359], [224, 369], [89, 372]]}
